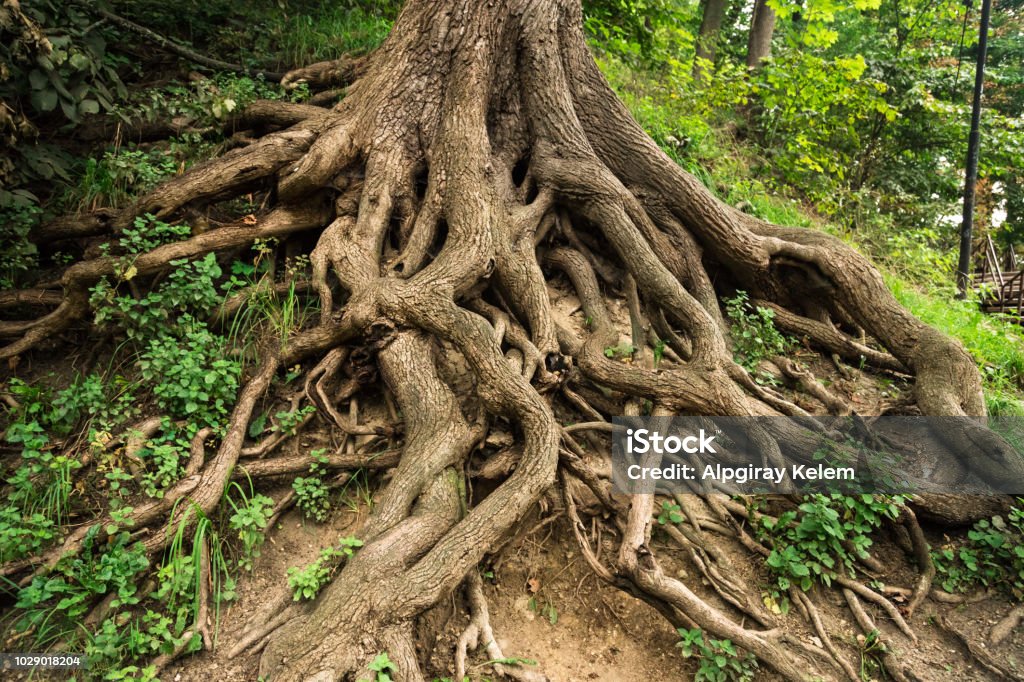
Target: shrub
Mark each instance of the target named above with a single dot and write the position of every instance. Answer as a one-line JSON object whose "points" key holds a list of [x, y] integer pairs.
{"points": [[192, 377]]}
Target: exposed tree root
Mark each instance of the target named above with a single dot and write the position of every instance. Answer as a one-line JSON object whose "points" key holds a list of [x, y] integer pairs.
{"points": [[479, 632], [470, 171], [978, 652], [1004, 628], [889, 660]]}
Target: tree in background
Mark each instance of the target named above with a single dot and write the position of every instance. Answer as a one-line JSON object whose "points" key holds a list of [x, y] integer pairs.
{"points": [[762, 28], [707, 37]]}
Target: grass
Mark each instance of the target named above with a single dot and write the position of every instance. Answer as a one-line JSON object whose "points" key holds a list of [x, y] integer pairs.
{"points": [[916, 267], [996, 343], [330, 32]]}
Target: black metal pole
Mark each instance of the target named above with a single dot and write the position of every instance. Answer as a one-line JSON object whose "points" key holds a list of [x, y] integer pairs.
{"points": [[963, 274]]}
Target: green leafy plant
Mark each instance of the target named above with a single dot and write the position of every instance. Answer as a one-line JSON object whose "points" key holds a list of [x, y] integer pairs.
{"points": [[623, 351], [147, 232], [188, 293], [113, 179], [871, 649], [754, 334], [670, 513], [992, 556], [383, 667], [192, 377], [53, 605], [311, 492], [545, 608], [19, 214], [718, 659], [306, 582], [823, 536], [659, 352], [288, 422], [250, 518], [42, 484]]}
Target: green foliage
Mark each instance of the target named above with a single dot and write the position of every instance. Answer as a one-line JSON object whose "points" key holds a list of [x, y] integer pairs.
{"points": [[811, 111], [307, 582], [115, 178], [288, 422], [623, 351], [55, 68], [718, 659], [41, 485], [39, 496], [311, 492], [63, 61], [670, 513], [996, 344], [545, 609], [53, 605], [872, 649], [383, 667], [333, 30], [180, 578], [170, 610], [163, 457], [755, 337], [188, 290], [266, 306], [193, 377], [992, 556], [19, 213], [204, 102], [250, 518], [23, 535], [823, 536], [113, 643], [641, 31]]}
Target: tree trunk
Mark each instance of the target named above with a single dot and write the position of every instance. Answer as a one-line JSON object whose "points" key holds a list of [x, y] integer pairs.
{"points": [[762, 26], [480, 153], [707, 37]]}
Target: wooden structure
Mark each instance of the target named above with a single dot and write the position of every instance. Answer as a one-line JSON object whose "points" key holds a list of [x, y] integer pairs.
{"points": [[1000, 281]]}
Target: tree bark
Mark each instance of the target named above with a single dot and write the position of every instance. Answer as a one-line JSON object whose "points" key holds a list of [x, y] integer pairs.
{"points": [[707, 37], [762, 27]]}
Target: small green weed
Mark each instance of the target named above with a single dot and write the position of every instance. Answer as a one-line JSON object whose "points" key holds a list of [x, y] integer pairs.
{"points": [[718, 659], [250, 518], [754, 334], [311, 492], [547, 609], [623, 351], [822, 537], [670, 513], [307, 582], [383, 667]]}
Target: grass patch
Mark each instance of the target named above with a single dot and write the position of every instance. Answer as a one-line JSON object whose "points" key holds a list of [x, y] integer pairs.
{"points": [[997, 343], [331, 31]]}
